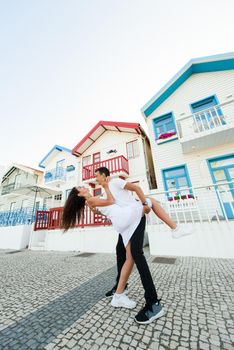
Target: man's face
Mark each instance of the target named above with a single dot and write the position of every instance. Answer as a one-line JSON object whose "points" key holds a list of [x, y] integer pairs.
{"points": [[100, 177]]}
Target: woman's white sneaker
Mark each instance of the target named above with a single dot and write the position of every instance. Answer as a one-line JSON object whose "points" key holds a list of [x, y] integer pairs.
{"points": [[181, 230], [122, 300]]}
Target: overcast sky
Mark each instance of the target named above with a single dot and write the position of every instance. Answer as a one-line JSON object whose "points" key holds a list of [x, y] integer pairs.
{"points": [[66, 64]]}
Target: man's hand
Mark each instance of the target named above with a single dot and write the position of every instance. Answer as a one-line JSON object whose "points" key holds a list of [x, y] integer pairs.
{"points": [[104, 184]]}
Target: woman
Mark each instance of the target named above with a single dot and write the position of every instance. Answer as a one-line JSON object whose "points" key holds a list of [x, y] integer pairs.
{"points": [[124, 219]]}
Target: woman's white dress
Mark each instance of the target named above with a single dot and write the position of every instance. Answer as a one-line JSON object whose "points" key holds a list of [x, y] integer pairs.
{"points": [[125, 219]]}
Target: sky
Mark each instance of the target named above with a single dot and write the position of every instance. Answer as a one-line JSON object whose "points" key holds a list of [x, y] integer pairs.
{"points": [[66, 64]]}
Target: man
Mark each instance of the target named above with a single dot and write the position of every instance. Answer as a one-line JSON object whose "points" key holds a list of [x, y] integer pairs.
{"points": [[120, 191]]}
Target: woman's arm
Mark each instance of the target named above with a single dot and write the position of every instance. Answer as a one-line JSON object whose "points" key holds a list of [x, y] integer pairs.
{"points": [[93, 209], [97, 202]]}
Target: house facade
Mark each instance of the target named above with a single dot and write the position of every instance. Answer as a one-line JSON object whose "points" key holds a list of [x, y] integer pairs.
{"points": [[16, 177], [61, 172], [191, 131], [124, 149], [121, 147]]}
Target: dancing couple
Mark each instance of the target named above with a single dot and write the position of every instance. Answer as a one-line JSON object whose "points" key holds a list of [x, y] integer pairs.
{"points": [[127, 215]]}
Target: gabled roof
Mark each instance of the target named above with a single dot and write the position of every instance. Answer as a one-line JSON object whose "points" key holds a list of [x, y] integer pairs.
{"points": [[196, 65], [22, 167], [55, 150], [100, 128]]}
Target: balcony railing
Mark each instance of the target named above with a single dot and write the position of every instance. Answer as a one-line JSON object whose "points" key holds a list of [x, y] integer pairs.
{"points": [[115, 165], [51, 219], [211, 203], [23, 216], [8, 188], [207, 121], [56, 174]]}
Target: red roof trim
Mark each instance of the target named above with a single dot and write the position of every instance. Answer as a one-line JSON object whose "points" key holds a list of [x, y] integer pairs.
{"points": [[103, 123]]}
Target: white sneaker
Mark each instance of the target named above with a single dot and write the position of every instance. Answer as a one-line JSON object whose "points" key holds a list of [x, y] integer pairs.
{"points": [[122, 300], [181, 231]]}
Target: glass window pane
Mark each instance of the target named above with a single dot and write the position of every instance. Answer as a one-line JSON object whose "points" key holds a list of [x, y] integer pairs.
{"points": [[231, 173], [86, 160], [175, 172], [171, 183], [129, 150], [219, 175], [163, 120], [182, 182], [170, 127], [222, 162], [135, 148]]}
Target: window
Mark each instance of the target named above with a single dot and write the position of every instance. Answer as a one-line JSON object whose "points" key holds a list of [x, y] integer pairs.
{"points": [[163, 125], [12, 206], [58, 197], [96, 157], [17, 180], [86, 160], [176, 178], [132, 149]]}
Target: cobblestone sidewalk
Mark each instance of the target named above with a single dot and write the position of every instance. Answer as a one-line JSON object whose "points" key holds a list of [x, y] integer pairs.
{"points": [[54, 300]]}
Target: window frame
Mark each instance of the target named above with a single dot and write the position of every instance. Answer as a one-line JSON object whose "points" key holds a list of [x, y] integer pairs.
{"points": [[138, 149], [179, 189], [161, 118]]}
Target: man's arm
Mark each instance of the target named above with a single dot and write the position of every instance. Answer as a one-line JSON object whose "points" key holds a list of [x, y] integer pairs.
{"points": [[134, 188]]}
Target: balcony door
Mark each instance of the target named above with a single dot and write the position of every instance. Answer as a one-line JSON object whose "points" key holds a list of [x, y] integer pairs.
{"points": [[206, 114], [222, 172], [96, 161], [96, 157]]}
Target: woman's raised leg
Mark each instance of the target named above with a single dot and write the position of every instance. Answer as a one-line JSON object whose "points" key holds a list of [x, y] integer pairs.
{"points": [[162, 214]]}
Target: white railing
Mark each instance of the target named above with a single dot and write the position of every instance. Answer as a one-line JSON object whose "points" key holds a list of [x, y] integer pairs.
{"points": [[208, 120], [211, 203], [56, 174]]}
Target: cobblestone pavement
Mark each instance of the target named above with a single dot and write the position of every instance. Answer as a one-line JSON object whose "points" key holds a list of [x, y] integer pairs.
{"points": [[54, 300]]}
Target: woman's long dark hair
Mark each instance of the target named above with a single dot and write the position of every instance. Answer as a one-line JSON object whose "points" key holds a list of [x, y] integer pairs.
{"points": [[72, 210]]}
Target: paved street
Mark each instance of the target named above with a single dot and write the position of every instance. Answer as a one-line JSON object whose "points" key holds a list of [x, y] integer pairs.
{"points": [[54, 300]]}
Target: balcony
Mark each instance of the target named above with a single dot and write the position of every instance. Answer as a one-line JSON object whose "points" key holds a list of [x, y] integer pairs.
{"points": [[9, 189], [51, 219], [208, 128], [55, 176], [117, 166]]}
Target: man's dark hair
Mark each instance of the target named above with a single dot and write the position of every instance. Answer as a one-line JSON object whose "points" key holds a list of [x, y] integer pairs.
{"points": [[103, 170]]}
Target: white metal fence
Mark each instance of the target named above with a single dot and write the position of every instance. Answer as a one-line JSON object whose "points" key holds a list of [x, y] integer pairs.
{"points": [[197, 204]]}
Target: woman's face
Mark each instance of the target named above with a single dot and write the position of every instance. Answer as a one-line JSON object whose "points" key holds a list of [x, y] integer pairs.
{"points": [[83, 191]]}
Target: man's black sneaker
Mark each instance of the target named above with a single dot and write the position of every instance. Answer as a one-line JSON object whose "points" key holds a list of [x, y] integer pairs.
{"points": [[149, 313], [113, 290]]}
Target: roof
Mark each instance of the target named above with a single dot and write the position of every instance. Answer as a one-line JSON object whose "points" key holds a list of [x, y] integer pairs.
{"points": [[196, 65], [56, 149], [22, 167], [100, 128]]}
